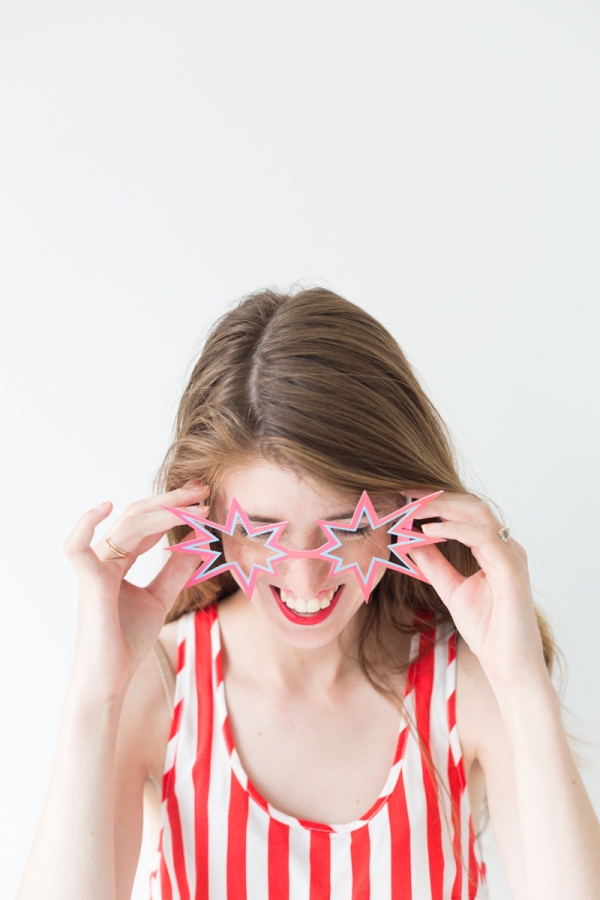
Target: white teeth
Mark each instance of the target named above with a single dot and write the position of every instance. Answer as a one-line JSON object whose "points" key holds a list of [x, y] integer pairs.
{"points": [[326, 600], [307, 606]]}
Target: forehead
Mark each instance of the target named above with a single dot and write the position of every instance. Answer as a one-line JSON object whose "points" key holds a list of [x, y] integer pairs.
{"points": [[265, 488], [271, 491]]}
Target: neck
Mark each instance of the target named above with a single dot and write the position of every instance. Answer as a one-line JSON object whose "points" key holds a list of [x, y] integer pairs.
{"points": [[263, 656]]}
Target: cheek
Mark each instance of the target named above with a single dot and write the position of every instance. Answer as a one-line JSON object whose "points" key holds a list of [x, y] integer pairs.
{"points": [[229, 547], [375, 546], [246, 554], [237, 551]]}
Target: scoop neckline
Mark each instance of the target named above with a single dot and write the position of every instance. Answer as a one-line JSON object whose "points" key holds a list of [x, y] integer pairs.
{"points": [[242, 777]]}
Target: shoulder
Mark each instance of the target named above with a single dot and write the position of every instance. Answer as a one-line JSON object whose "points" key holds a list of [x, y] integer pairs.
{"points": [[168, 642]]}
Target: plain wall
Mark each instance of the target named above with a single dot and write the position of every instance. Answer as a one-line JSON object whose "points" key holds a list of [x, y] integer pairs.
{"points": [[435, 163]]}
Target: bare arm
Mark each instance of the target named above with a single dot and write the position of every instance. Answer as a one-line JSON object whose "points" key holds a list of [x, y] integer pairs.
{"points": [[548, 833], [102, 744], [560, 832], [73, 850], [544, 824]]}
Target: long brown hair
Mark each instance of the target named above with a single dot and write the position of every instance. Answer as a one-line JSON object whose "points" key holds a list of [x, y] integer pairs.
{"points": [[312, 381]]}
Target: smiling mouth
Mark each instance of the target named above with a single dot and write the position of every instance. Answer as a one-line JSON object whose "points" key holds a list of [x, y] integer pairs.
{"points": [[307, 612]]}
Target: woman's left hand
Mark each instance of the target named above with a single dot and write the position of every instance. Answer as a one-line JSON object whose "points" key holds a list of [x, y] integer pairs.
{"points": [[493, 609]]}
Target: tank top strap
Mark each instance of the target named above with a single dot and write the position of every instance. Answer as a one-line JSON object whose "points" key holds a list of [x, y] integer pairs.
{"points": [[199, 654], [432, 682], [444, 859]]}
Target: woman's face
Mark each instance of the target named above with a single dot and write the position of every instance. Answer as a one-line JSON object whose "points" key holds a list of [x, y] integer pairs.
{"points": [[301, 602]]}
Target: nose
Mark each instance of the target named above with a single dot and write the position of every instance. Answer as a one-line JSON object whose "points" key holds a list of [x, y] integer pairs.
{"points": [[305, 577]]}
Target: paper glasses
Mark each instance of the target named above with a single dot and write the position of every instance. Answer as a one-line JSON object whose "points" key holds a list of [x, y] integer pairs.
{"points": [[340, 548]]}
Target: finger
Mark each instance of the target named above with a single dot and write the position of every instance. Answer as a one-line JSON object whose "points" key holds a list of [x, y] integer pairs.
{"points": [[169, 582], [77, 546], [438, 570], [520, 550], [181, 497], [487, 548], [418, 493], [462, 508], [184, 496], [441, 502], [136, 534]]}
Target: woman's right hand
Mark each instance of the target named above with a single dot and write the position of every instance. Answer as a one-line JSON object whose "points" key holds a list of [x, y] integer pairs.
{"points": [[119, 622]]}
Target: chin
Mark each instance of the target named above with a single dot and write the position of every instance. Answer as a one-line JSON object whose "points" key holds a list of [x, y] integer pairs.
{"points": [[303, 629]]}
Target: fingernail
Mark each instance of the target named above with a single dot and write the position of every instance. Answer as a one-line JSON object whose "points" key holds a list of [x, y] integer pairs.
{"points": [[103, 505], [431, 526]]}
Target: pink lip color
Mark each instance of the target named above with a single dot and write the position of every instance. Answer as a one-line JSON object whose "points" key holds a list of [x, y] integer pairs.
{"points": [[308, 620]]}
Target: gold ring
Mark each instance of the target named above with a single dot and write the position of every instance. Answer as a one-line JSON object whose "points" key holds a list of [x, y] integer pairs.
{"points": [[120, 553], [504, 534]]}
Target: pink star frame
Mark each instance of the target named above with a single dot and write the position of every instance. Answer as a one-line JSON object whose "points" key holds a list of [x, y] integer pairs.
{"points": [[400, 522]]}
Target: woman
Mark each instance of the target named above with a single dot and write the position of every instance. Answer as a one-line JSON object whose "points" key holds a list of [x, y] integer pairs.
{"points": [[307, 706]]}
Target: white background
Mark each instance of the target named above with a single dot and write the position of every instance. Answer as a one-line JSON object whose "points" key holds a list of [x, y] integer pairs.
{"points": [[435, 163]]}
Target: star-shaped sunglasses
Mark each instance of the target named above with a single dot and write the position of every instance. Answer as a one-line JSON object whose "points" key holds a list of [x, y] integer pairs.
{"points": [[341, 547]]}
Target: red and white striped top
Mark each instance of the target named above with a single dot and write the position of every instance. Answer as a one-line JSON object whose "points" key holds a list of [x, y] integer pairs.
{"points": [[221, 840]]}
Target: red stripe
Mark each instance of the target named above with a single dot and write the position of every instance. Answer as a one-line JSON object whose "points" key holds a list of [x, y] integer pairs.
{"points": [[320, 866], [451, 711], [176, 719], [455, 794], [400, 832], [201, 770], [166, 891], [455, 785], [315, 826], [360, 851], [279, 860], [177, 843], [460, 771], [166, 783], [219, 668], [473, 874], [452, 647], [228, 736], [425, 678], [451, 707], [401, 745], [180, 656], [236, 845], [169, 795]]}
